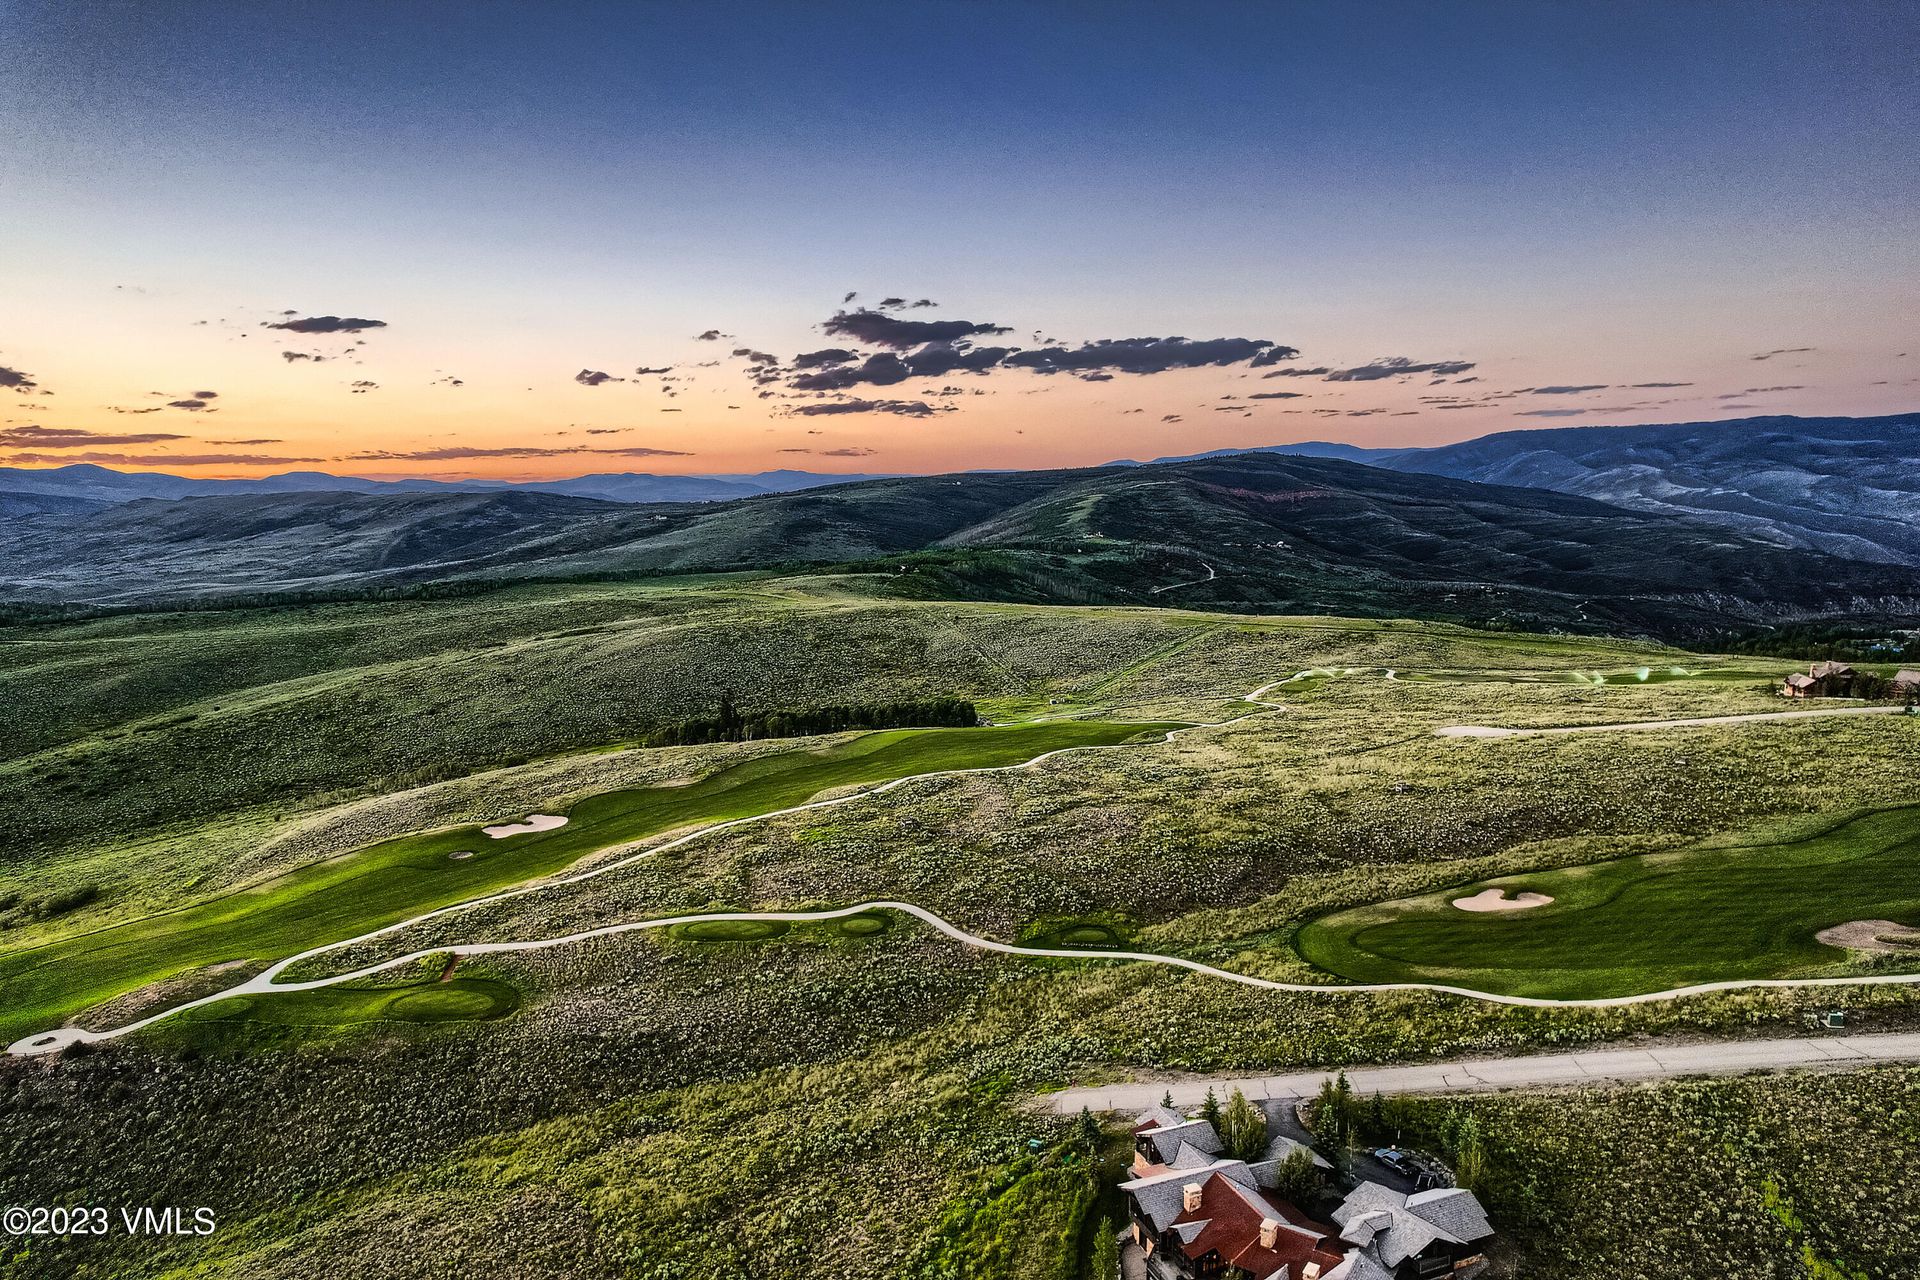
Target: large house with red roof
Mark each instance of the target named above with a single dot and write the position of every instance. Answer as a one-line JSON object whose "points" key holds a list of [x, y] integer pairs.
{"points": [[1197, 1215]]}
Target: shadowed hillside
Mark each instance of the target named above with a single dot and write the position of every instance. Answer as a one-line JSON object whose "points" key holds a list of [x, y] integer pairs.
{"points": [[1265, 532]]}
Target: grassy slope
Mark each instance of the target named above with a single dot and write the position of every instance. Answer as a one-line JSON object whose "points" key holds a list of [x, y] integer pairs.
{"points": [[369, 888], [1705, 914], [670, 1107]]}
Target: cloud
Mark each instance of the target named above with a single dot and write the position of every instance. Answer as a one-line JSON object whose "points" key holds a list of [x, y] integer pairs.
{"points": [[851, 451], [1645, 386], [594, 377], [1782, 351], [16, 380], [1755, 391], [643, 371], [900, 304], [1553, 413], [328, 324], [1145, 355], [1395, 366], [291, 356], [1276, 395], [362, 386], [34, 437], [756, 357], [877, 329], [244, 443], [824, 357], [1320, 372], [165, 459], [191, 406], [452, 453], [1569, 390], [713, 335], [900, 408]]}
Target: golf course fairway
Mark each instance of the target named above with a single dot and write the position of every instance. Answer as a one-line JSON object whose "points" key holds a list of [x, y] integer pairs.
{"points": [[384, 883], [1653, 922]]}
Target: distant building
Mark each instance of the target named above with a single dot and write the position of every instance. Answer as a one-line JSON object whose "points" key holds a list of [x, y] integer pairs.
{"points": [[1822, 680], [1906, 684], [1196, 1216]]}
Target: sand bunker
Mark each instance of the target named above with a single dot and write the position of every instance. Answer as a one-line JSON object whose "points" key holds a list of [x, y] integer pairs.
{"points": [[1497, 900], [461, 855], [1872, 935], [534, 822]]}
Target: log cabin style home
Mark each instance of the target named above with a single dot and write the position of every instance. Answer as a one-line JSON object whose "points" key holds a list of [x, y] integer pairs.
{"points": [[1195, 1214]]}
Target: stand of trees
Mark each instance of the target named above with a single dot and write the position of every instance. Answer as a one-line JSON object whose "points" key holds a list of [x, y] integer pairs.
{"points": [[728, 724]]}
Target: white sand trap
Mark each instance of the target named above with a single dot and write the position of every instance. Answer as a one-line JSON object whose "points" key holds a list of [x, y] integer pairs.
{"points": [[534, 822], [1497, 900], [461, 855], [1872, 935]]}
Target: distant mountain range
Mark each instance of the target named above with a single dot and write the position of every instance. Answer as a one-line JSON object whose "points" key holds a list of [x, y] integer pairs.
{"points": [[1251, 531], [88, 483]]}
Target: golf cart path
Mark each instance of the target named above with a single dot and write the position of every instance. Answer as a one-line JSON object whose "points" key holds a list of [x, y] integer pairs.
{"points": [[1627, 726], [1480, 1075], [267, 981]]}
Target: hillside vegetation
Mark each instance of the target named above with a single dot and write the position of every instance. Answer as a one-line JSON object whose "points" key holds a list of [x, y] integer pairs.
{"points": [[1251, 532]]}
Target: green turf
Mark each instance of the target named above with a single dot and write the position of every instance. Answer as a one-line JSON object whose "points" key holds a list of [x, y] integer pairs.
{"points": [[732, 930], [1648, 923], [456, 1000], [343, 897]]}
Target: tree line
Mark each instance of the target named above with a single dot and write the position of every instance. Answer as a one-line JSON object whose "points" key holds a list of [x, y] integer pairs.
{"points": [[729, 724]]}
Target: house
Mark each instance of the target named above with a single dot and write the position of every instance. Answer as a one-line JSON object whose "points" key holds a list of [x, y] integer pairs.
{"points": [[1198, 1215], [1397, 1236], [1823, 680], [1906, 684]]}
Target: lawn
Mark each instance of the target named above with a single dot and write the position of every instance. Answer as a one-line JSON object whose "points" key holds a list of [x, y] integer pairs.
{"points": [[1706, 913], [390, 881]]}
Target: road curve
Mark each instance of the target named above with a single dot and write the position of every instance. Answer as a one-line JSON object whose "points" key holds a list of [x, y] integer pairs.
{"points": [[1481, 1075]]}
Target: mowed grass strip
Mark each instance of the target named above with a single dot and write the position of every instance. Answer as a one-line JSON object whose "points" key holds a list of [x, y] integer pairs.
{"points": [[388, 882], [1707, 913]]}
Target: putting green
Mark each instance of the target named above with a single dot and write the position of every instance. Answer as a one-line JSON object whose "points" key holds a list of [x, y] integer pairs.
{"points": [[344, 897], [456, 1000], [1646, 923], [732, 930]]}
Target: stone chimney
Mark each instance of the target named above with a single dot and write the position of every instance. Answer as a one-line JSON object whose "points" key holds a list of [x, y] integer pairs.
{"points": [[1190, 1197], [1311, 1271], [1269, 1232]]}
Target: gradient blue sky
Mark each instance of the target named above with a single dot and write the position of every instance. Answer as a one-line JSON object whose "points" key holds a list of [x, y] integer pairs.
{"points": [[1562, 195]]}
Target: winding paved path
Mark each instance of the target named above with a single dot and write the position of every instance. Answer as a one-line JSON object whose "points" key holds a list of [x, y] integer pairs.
{"points": [[267, 981], [1604, 1066]]}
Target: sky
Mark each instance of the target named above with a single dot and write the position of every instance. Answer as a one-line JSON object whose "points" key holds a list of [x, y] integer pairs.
{"points": [[521, 241]]}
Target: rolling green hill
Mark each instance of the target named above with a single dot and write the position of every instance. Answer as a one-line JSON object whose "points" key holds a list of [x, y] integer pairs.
{"points": [[1263, 532]]}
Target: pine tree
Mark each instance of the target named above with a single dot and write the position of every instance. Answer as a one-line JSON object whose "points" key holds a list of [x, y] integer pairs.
{"points": [[1243, 1128], [1088, 1133], [1106, 1251], [1210, 1109]]}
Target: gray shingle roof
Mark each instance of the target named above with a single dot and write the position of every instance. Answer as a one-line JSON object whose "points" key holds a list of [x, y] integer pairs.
{"points": [[1166, 1141], [1190, 1157], [1159, 1118], [1392, 1227], [1454, 1212]]}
